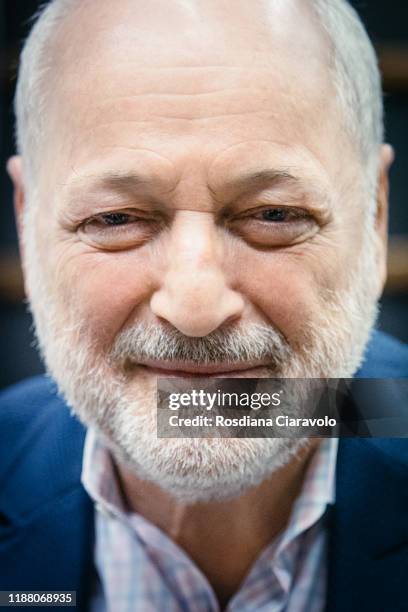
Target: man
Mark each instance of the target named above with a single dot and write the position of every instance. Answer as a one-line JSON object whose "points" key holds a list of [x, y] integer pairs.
{"points": [[201, 191]]}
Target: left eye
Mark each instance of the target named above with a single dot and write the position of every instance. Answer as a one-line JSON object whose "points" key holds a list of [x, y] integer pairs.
{"points": [[274, 214], [274, 226], [115, 218]]}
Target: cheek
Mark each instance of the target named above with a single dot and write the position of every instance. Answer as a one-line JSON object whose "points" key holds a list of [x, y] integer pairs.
{"points": [[285, 289], [104, 289]]}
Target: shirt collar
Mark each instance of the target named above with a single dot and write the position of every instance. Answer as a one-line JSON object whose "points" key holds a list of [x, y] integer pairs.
{"points": [[99, 476], [317, 493]]}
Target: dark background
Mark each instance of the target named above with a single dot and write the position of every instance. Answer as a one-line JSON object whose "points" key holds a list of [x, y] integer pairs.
{"points": [[387, 24]]}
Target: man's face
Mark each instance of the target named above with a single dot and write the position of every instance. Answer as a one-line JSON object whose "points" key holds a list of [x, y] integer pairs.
{"points": [[196, 179]]}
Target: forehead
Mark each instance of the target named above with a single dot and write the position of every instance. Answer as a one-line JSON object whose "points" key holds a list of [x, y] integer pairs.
{"points": [[199, 32], [190, 84]]}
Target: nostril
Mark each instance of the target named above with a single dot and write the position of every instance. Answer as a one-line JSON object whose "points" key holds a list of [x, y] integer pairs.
{"points": [[228, 321]]}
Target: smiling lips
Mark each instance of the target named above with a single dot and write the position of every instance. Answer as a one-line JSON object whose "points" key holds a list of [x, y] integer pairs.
{"points": [[184, 369]]}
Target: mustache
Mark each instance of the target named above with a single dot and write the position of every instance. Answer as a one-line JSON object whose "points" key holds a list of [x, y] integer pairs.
{"points": [[255, 342]]}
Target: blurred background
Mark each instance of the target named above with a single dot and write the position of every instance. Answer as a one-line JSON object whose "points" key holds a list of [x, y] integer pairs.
{"points": [[387, 24]]}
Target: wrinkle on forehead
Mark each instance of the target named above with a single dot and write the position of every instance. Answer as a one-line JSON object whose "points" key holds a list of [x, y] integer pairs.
{"points": [[208, 33]]}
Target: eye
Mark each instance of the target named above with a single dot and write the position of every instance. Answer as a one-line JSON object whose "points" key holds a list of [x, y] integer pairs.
{"points": [[119, 230], [277, 215], [274, 226], [115, 218]]}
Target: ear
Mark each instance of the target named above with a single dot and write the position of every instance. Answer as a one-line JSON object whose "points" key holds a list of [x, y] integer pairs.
{"points": [[386, 159], [15, 171]]}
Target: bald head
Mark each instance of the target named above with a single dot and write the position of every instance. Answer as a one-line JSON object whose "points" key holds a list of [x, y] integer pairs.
{"points": [[322, 39], [189, 33]]}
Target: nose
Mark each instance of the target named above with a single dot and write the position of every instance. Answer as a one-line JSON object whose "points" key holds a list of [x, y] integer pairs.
{"points": [[194, 295]]}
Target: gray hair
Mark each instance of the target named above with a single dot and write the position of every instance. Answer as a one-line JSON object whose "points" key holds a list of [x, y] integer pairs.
{"points": [[353, 63]]}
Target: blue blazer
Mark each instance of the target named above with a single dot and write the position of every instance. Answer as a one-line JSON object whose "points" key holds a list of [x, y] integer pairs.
{"points": [[47, 518]]}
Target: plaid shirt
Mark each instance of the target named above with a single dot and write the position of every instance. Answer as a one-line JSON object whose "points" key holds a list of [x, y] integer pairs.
{"points": [[141, 569]]}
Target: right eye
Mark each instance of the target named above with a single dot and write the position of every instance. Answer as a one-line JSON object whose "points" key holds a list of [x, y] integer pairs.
{"points": [[117, 230], [115, 218]]}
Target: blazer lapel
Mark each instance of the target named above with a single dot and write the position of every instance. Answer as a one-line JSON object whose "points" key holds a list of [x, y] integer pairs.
{"points": [[368, 543], [52, 550], [46, 517]]}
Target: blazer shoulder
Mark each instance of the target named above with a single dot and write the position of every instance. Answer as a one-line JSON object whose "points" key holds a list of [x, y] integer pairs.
{"points": [[23, 395], [28, 407], [41, 445], [385, 357]]}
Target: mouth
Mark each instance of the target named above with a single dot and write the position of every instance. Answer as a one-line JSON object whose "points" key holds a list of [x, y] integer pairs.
{"points": [[170, 369]]}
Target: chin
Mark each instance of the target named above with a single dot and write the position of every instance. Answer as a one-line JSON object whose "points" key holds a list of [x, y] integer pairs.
{"points": [[198, 469]]}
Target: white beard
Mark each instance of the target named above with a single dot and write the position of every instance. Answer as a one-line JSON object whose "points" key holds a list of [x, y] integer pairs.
{"points": [[124, 411]]}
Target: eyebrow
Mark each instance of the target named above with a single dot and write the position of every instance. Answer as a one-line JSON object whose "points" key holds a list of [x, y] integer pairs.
{"points": [[127, 182], [259, 178], [124, 182]]}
